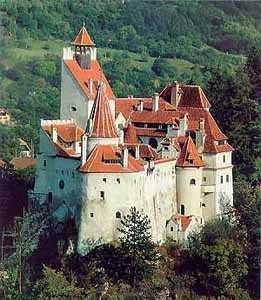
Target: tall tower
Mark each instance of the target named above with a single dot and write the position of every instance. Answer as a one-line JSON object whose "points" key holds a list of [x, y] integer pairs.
{"points": [[84, 49]]}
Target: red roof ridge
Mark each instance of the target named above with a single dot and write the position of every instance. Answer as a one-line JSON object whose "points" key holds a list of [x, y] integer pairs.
{"points": [[102, 120], [83, 38]]}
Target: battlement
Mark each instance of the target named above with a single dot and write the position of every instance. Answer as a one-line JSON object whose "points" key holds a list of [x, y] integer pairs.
{"points": [[57, 122], [67, 53]]}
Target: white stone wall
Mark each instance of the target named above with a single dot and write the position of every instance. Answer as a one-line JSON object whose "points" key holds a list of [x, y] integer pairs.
{"points": [[73, 96], [189, 194], [217, 183], [153, 193], [50, 171]]}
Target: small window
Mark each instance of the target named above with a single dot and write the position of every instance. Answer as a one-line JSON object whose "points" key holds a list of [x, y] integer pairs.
{"points": [[118, 215], [44, 163], [182, 209], [102, 195], [118, 180], [193, 181], [61, 184], [221, 179], [73, 108], [171, 228], [227, 178], [224, 158], [204, 179], [50, 197], [104, 179], [91, 215]]}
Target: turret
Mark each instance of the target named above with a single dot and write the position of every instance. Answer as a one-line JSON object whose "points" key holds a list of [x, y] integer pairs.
{"points": [[84, 49]]}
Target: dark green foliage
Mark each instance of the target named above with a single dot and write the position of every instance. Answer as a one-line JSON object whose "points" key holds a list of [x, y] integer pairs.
{"points": [[136, 241], [234, 99], [248, 210]]}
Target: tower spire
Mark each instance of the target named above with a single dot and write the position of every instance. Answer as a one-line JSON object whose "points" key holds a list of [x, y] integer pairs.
{"points": [[102, 124], [83, 38]]}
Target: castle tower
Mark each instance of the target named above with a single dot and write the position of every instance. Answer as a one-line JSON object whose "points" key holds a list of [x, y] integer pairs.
{"points": [[84, 49], [189, 177], [101, 125]]}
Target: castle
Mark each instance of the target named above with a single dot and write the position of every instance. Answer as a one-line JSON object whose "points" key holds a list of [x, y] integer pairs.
{"points": [[164, 155]]}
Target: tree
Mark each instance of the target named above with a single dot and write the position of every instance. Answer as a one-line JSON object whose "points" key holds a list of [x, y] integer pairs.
{"points": [[248, 209], [237, 112], [216, 259], [136, 242], [54, 285]]}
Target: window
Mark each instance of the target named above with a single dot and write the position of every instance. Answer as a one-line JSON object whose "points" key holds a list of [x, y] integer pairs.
{"points": [[44, 163], [224, 158], [227, 178], [91, 215], [102, 195], [73, 108], [171, 228], [104, 179], [50, 197], [193, 181], [118, 180], [182, 209], [118, 215], [204, 179], [61, 184], [221, 179]]}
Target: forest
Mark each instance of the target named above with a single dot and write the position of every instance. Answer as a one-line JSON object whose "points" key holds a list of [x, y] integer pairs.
{"points": [[142, 45]]}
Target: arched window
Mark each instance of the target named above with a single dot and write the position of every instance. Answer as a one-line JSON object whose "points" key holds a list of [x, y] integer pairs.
{"points": [[182, 209], [118, 215], [193, 181], [153, 143]]}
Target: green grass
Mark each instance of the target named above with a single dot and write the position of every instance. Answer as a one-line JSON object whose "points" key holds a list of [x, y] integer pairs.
{"points": [[37, 48]]}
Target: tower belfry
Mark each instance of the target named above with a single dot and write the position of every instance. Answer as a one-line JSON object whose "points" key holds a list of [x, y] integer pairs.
{"points": [[84, 49]]}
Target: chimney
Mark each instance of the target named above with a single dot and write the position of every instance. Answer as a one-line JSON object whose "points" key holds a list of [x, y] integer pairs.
{"points": [[183, 125], [140, 106], [84, 149], [155, 102], [121, 136], [125, 157], [91, 86], [54, 134], [137, 151], [175, 94]]}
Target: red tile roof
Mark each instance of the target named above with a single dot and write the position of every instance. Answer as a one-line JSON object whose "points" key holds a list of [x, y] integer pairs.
{"points": [[130, 135], [127, 105], [83, 76], [155, 117], [189, 156], [23, 162], [103, 124], [150, 132], [96, 162], [68, 132], [146, 151], [191, 96], [83, 38]]}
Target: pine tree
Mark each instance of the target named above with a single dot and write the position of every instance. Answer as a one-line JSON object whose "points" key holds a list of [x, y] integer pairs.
{"points": [[136, 242]]}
